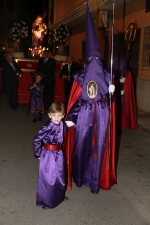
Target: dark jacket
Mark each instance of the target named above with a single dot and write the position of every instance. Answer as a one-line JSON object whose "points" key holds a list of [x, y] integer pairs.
{"points": [[48, 70], [73, 69], [10, 75]]}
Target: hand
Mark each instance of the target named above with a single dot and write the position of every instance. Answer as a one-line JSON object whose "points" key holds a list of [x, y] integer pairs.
{"points": [[70, 123], [19, 74], [111, 88], [34, 86], [122, 80], [64, 76]]}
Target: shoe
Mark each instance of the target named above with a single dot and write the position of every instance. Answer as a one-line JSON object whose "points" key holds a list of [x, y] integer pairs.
{"points": [[44, 207], [34, 120], [94, 192], [66, 198], [39, 118]]}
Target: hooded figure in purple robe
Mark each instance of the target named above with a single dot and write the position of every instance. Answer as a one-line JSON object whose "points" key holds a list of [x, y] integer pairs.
{"points": [[90, 115]]}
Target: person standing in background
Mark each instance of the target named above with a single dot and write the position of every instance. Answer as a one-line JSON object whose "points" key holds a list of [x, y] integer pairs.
{"points": [[47, 67], [37, 106], [67, 74], [80, 64], [11, 72]]}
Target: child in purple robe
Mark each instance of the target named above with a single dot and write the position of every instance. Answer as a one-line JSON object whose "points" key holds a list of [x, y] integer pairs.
{"points": [[52, 170], [37, 106]]}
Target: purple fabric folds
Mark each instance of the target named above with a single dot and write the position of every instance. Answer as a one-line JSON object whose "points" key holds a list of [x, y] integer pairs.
{"points": [[92, 45], [94, 73], [52, 171], [85, 170], [37, 105]]}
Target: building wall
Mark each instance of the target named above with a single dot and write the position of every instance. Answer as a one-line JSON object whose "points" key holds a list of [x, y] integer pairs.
{"points": [[75, 43], [143, 95], [65, 6]]}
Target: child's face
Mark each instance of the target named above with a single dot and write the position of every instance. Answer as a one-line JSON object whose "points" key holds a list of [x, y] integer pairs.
{"points": [[38, 78], [56, 117]]}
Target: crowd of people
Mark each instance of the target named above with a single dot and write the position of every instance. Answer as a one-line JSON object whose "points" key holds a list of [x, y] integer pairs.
{"points": [[42, 87]]}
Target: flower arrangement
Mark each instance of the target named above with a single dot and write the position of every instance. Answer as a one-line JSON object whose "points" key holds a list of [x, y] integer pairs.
{"points": [[18, 31], [51, 39], [59, 35]]}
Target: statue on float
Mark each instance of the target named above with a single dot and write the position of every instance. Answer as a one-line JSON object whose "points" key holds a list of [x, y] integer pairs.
{"points": [[39, 30]]}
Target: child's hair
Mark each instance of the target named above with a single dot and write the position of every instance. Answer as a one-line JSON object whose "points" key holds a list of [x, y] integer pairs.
{"points": [[56, 107], [39, 74]]}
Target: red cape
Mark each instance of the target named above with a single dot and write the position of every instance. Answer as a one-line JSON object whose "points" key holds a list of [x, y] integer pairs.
{"points": [[108, 174], [129, 116]]}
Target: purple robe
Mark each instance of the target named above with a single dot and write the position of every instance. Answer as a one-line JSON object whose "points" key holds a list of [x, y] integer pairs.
{"points": [[37, 105], [89, 116], [52, 171]]}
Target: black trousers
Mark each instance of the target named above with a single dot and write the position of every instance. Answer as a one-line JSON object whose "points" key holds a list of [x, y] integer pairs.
{"points": [[48, 95], [13, 95]]}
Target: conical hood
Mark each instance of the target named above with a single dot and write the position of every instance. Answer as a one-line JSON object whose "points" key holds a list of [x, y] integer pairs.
{"points": [[94, 85], [92, 45]]}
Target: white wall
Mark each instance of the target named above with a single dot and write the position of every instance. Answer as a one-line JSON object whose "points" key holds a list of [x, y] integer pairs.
{"points": [[143, 95]]}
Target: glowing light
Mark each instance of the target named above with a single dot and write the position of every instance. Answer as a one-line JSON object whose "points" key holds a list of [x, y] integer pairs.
{"points": [[37, 52]]}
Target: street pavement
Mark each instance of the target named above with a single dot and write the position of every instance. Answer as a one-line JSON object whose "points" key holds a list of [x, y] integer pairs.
{"points": [[127, 203]]}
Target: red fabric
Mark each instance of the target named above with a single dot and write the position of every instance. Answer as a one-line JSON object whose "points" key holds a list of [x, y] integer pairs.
{"points": [[52, 147], [27, 64], [108, 173], [129, 116], [69, 136], [59, 89], [74, 95]]}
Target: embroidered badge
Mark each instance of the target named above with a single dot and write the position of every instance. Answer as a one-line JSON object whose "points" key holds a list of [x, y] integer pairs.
{"points": [[92, 89]]}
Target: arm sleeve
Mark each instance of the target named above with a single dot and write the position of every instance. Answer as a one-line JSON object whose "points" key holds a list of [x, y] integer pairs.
{"points": [[28, 88], [37, 143], [65, 127], [73, 113], [18, 68], [42, 88], [62, 71]]}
